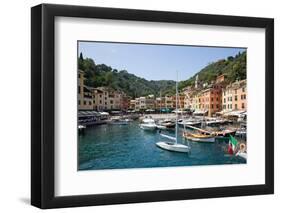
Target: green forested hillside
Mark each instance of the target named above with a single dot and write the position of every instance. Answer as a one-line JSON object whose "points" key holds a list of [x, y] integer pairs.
{"points": [[234, 68], [134, 86]]}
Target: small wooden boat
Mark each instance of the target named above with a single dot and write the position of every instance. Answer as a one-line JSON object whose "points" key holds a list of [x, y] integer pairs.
{"points": [[199, 137]]}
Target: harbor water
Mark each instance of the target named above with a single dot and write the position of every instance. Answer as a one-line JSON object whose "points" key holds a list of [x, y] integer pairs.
{"points": [[127, 146]]}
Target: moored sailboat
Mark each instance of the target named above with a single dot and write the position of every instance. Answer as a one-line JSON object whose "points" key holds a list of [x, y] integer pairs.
{"points": [[173, 146]]}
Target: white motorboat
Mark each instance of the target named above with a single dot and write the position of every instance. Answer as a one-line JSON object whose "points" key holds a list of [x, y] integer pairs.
{"points": [[173, 146], [189, 122], [148, 124], [166, 124], [159, 126], [117, 121]]}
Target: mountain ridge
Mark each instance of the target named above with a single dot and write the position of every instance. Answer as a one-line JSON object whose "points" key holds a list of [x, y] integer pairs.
{"points": [[233, 67]]}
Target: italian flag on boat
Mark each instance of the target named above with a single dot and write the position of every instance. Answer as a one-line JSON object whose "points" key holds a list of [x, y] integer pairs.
{"points": [[233, 143]]}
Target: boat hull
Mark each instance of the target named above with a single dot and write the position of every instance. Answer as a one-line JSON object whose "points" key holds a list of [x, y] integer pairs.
{"points": [[150, 127], [119, 123], [161, 127], [225, 134], [242, 155], [203, 140], [169, 125], [173, 147], [196, 124]]}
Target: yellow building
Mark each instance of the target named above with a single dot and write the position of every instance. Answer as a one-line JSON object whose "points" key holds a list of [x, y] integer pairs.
{"points": [[107, 99], [85, 98], [188, 96], [145, 102], [234, 96], [80, 88], [98, 99], [150, 102], [195, 103], [168, 102]]}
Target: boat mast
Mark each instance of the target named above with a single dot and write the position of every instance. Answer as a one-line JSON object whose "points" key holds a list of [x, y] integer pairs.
{"points": [[160, 102], [177, 109]]}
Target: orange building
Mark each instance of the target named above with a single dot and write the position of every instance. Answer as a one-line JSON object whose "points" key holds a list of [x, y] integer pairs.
{"points": [[180, 101], [210, 99], [125, 102], [168, 102]]}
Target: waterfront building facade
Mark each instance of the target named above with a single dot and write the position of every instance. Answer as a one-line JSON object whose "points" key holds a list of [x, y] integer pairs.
{"points": [[195, 103], [145, 102], [98, 99], [112, 99], [132, 104], [80, 89], [234, 96], [181, 98], [210, 100], [150, 102], [105, 98], [140, 103], [85, 96], [160, 103], [125, 102], [188, 96], [205, 98], [168, 102]]}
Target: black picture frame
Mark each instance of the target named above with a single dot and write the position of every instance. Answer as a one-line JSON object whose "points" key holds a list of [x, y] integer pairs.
{"points": [[43, 102]]}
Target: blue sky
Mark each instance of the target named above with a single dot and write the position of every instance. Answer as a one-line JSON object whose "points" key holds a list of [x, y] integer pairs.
{"points": [[155, 62]]}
